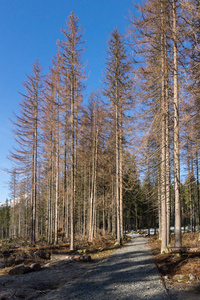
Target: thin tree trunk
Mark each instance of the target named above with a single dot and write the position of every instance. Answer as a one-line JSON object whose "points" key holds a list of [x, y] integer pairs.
{"points": [[159, 208], [103, 213], [91, 215], [65, 181], [92, 196], [34, 173], [121, 172], [57, 169], [117, 168], [177, 229], [168, 196], [163, 140], [113, 209], [198, 192], [136, 217], [84, 201], [72, 171]]}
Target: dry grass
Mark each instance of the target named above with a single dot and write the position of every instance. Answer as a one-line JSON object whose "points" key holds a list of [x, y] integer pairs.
{"points": [[171, 264], [20, 252]]}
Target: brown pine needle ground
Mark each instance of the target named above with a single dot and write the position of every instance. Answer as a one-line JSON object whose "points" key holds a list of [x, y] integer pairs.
{"points": [[187, 264]]}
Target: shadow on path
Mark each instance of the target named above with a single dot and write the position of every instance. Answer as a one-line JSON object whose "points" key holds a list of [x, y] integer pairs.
{"points": [[129, 273]]}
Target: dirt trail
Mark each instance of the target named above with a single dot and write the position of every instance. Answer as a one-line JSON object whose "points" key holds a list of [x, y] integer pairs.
{"points": [[129, 273]]}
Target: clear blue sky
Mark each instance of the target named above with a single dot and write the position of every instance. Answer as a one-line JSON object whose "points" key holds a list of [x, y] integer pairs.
{"points": [[29, 29]]}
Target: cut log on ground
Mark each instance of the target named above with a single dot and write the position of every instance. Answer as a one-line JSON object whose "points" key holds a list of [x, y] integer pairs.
{"points": [[83, 258], [20, 270], [184, 250]]}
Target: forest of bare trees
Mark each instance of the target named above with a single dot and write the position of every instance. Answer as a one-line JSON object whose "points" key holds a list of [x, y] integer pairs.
{"points": [[127, 159]]}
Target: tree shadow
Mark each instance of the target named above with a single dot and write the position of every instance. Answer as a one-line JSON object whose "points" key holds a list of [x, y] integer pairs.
{"points": [[124, 275]]}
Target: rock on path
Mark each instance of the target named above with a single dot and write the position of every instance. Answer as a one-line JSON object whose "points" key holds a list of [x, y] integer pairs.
{"points": [[129, 273]]}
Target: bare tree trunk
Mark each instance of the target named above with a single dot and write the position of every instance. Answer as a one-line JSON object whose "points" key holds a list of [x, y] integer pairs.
{"points": [[14, 204], [91, 214], [159, 208], [136, 217], [163, 140], [72, 170], [92, 196], [34, 172], [109, 220], [93, 228], [103, 213], [57, 133], [120, 172], [168, 196], [65, 205], [84, 201], [177, 229], [117, 169], [70, 52], [198, 192], [20, 217], [189, 185], [113, 210], [67, 212], [49, 204]]}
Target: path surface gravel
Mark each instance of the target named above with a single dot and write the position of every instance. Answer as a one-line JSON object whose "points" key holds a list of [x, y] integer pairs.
{"points": [[129, 273]]}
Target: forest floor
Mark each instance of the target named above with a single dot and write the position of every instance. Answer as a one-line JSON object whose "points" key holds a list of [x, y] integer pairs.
{"points": [[58, 266], [180, 273], [61, 270]]}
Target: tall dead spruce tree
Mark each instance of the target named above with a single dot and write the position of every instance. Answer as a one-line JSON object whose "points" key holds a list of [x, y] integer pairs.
{"points": [[27, 137], [155, 37], [177, 229], [192, 15], [72, 76], [51, 146], [149, 36], [165, 156], [94, 119], [118, 87]]}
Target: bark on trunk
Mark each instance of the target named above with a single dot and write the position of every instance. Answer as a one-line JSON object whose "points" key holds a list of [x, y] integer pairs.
{"points": [[163, 141], [72, 170], [177, 228]]}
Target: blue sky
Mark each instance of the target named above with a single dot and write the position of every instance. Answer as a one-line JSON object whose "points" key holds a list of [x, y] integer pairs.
{"points": [[29, 29]]}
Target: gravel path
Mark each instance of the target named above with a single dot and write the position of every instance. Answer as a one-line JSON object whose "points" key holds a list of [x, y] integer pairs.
{"points": [[129, 273]]}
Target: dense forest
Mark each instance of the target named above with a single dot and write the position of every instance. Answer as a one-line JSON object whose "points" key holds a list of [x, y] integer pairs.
{"points": [[127, 157]]}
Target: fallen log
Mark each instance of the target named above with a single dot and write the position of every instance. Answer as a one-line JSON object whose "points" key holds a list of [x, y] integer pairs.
{"points": [[83, 258], [184, 250], [47, 247], [21, 269]]}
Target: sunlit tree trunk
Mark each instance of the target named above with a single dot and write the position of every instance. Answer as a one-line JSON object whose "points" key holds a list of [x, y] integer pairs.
{"points": [[72, 76], [163, 138], [117, 166], [177, 229], [120, 171], [57, 147]]}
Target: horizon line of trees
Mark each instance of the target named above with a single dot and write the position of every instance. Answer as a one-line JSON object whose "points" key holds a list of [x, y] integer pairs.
{"points": [[77, 169]]}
